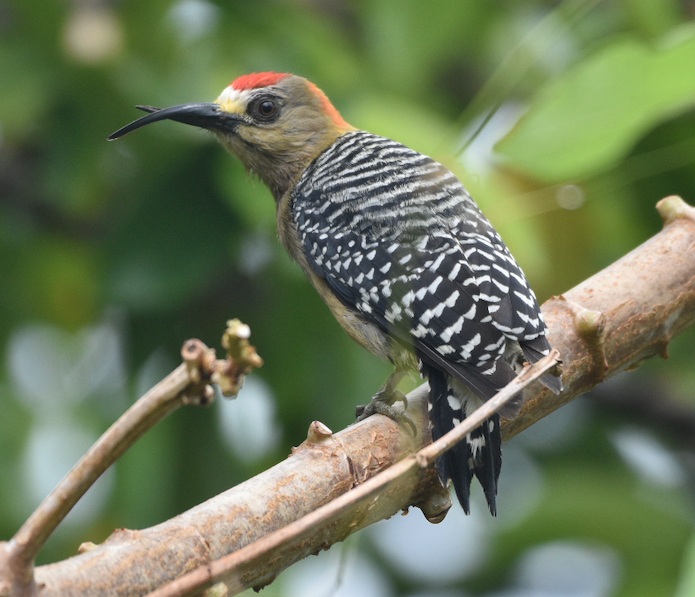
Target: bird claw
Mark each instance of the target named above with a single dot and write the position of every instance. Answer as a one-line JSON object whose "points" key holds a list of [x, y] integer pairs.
{"points": [[383, 404]]}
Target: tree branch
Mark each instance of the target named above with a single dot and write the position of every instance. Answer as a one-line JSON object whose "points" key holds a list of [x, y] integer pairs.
{"points": [[621, 316], [238, 568], [609, 323]]}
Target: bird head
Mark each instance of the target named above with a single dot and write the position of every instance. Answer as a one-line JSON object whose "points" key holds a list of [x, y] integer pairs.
{"points": [[275, 123]]}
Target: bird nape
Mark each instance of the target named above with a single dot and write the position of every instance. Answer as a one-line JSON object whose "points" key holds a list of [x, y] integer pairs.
{"points": [[398, 250]]}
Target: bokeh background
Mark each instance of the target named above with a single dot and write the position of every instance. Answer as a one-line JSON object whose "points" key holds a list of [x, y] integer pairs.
{"points": [[567, 120]]}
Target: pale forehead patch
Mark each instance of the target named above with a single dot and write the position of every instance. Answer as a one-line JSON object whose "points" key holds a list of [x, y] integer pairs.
{"points": [[233, 101]]}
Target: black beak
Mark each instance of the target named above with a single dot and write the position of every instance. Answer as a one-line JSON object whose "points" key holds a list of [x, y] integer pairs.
{"points": [[204, 115]]}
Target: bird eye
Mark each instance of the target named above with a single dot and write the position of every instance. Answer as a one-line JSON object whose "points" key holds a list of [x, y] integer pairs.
{"points": [[266, 109]]}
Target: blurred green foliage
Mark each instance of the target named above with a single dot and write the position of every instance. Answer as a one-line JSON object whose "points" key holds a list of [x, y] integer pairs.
{"points": [[626, 88], [112, 254]]}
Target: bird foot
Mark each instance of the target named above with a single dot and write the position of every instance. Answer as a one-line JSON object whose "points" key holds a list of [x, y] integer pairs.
{"points": [[383, 403]]}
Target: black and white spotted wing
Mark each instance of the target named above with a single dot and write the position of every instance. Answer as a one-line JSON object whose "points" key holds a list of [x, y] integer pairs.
{"points": [[398, 238]]}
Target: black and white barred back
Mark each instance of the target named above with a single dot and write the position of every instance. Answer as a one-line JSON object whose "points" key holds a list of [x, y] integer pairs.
{"points": [[399, 240]]}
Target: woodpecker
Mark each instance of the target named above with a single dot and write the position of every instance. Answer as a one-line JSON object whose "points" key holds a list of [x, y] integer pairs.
{"points": [[396, 247]]}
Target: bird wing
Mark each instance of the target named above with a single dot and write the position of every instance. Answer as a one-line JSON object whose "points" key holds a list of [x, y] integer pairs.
{"points": [[397, 238]]}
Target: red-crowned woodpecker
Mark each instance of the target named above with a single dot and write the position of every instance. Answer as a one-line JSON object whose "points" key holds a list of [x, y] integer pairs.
{"points": [[396, 247]]}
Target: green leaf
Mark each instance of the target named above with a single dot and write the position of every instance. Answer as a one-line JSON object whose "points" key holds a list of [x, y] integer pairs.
{"points": [[587, 120]]}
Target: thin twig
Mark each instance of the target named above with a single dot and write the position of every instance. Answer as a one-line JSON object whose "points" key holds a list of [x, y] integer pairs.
{"points": [[429, 454], [165, 397]]}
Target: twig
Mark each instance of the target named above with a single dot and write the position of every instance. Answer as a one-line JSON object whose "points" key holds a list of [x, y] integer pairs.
{"points": [[231, 568], [429, 454]]}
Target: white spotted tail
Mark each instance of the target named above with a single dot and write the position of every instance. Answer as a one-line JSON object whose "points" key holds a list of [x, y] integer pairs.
{"points": [[479, 454]]}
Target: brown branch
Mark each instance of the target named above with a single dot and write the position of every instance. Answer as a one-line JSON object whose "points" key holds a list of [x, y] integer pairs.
{"points": [[321, 469], [623, 315], [239, 568], [611, 322]]}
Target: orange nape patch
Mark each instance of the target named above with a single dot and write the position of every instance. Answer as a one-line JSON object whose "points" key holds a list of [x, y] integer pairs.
{"points": [[330, 109], [256, 80]]}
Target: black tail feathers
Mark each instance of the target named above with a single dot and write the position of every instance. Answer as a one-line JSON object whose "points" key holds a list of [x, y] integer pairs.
{"points": [[479, 455], [534, 350]]}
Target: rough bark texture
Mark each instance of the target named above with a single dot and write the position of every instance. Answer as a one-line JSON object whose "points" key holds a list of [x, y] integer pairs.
{"points": [[626, 313], [322, 468], [613, 321]]}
